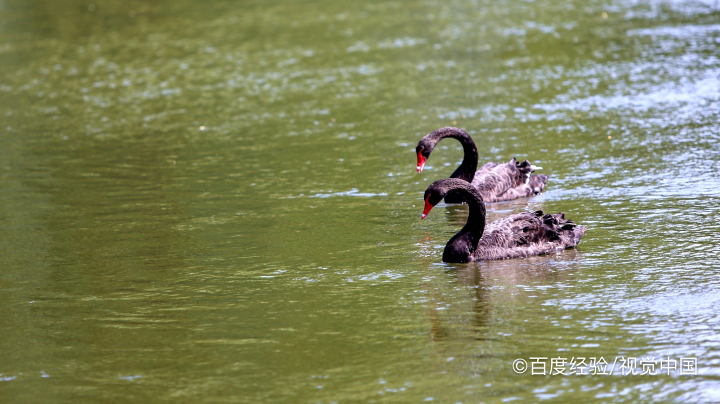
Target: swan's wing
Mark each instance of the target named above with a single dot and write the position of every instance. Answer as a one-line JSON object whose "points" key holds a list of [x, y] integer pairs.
{"points": [[491, 184], [534, 185], [527, 234], [493, 179], [510, 231], [506, 181], [488, 166]]}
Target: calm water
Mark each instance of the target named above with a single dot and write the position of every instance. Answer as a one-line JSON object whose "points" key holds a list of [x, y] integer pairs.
{"points": [[216, 201]]}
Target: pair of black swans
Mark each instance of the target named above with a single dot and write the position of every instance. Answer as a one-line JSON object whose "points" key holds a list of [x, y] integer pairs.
{"points": [[519, 235]]}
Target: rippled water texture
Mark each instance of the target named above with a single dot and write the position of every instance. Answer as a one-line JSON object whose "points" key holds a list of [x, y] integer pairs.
{"points": [[217, 201]]}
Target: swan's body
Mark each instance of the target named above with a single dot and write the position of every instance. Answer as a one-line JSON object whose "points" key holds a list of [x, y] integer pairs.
{"points": [[496, 182], [519, 235]]}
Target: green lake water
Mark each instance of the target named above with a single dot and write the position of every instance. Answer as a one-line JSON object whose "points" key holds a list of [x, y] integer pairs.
{"points": [[216, 201]]}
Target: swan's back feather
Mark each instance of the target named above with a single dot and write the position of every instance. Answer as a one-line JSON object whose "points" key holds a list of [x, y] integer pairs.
{"points": [[506, 181], [527, 234]]}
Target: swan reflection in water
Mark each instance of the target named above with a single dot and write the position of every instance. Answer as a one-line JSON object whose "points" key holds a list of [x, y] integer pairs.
{"points": [[498, 288]]}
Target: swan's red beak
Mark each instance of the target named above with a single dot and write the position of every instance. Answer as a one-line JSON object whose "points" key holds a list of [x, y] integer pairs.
{"points": [[421, 162], [428, 206]]}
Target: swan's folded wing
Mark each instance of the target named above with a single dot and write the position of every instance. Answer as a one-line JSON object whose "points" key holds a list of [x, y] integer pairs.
{"points": [[491, 184], [505, 181], [527, 234], [534, 185], [488, 166]]}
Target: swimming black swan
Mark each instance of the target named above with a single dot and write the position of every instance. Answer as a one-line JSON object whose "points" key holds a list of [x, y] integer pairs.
{"points": [[519, 235], [495, 181]]}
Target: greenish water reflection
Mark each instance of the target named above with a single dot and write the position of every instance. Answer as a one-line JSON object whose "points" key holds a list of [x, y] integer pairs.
{"points": [[217, 202]]}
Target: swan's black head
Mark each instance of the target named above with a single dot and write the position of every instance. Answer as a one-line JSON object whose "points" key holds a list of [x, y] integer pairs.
{"points": [[423, 150], [433, 195]]}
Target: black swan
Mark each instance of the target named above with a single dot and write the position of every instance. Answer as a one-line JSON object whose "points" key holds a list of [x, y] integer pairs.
{"points": [[519, 235], [496, 181]]}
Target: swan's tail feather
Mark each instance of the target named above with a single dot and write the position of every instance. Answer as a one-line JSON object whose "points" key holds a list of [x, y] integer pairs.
{"points": [[524, 167], [520, 172], [537, 182], [578, 232], [559, 229]]}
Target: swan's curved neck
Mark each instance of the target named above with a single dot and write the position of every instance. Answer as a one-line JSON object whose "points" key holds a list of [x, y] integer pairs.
{"points": [[467, 169], [462, 245]]}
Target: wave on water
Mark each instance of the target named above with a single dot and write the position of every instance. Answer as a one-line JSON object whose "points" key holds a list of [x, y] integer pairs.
{"points": [[352, 192]]}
